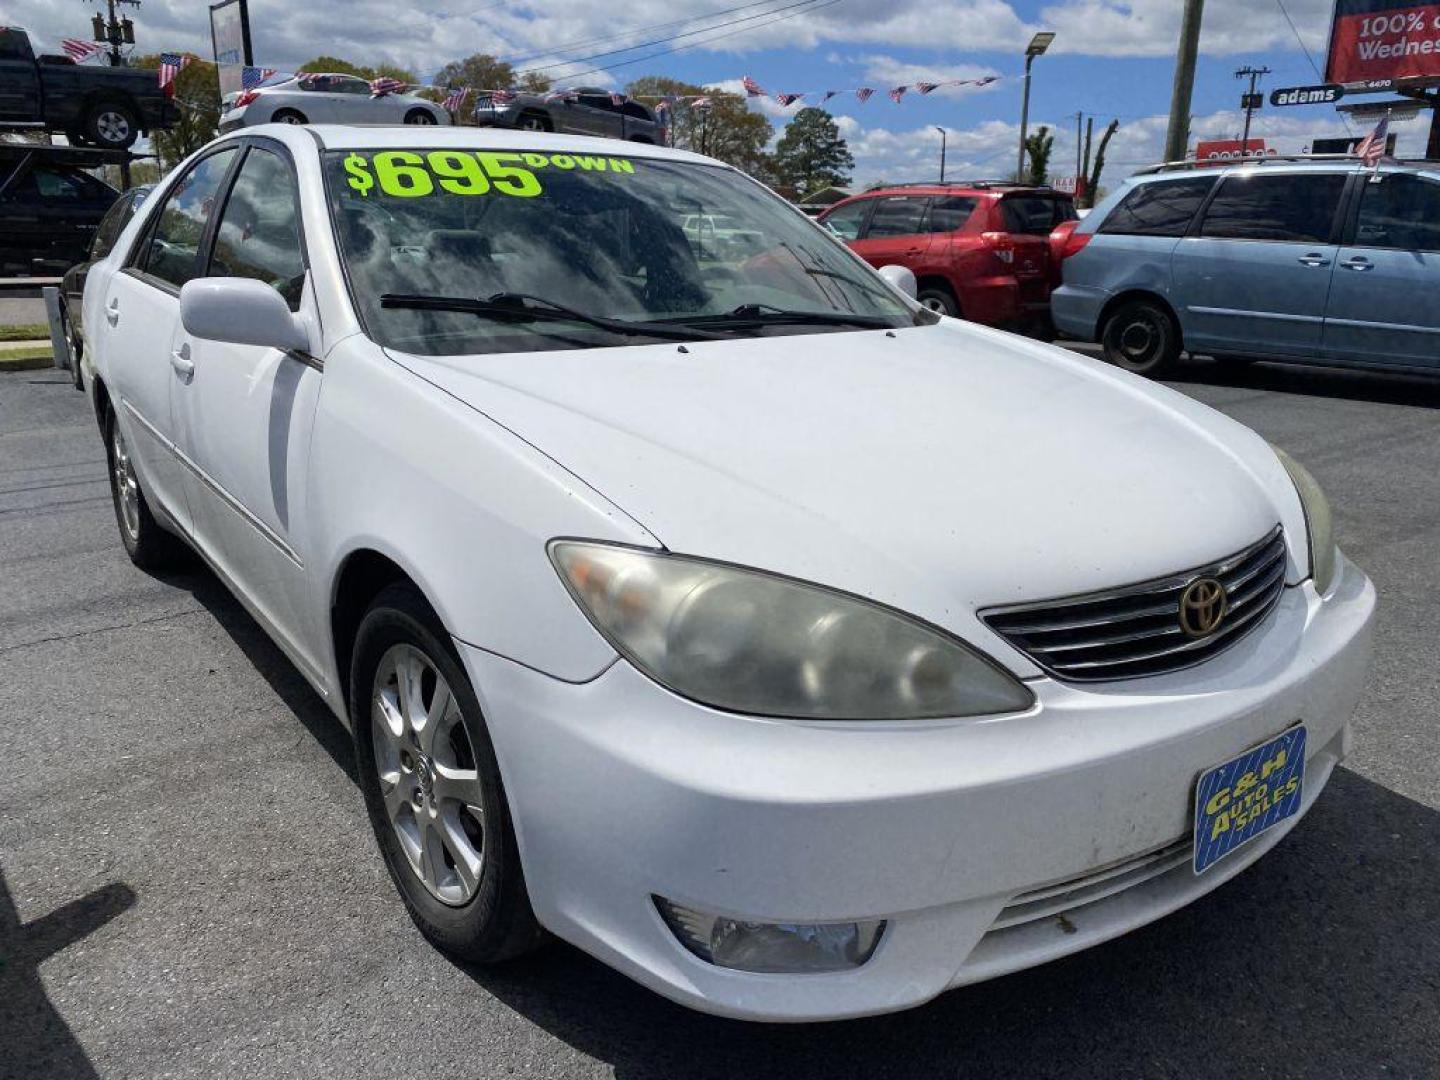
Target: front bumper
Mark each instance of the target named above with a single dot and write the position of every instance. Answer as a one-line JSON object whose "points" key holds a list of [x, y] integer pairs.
{"points": [[989, 846]]}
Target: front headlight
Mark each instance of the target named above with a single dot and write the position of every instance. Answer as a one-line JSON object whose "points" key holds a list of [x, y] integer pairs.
{"points": [[1318, 526], [754, 643]]}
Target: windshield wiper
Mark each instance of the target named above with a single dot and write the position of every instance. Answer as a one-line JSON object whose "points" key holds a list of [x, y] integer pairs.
{"points": [[523, 307], [769, 315]]}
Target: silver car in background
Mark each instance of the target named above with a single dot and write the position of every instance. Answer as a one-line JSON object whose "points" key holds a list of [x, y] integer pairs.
{"points": [[585, 110], [325, 99]]}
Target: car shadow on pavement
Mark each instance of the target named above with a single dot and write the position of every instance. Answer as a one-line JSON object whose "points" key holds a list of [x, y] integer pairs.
{"points": [[273, 665], [1380, 387], [35, 1040], [1322, 960]]}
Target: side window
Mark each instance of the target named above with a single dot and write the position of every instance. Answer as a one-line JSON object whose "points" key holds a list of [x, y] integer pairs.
{"points": [[1292, 207], [899, 215], [1399, 210], [259, 234], [54, 186], [1162, 208], [950, 213], [348, 85], [173, 251], [110, 228], [846, 221]]}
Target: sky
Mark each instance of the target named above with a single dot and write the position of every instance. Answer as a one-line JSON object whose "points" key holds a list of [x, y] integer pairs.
{"points": [[1113, 59]]}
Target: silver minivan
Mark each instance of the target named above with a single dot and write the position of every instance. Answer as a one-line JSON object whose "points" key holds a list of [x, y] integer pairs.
{"points": [[1321, 261]]}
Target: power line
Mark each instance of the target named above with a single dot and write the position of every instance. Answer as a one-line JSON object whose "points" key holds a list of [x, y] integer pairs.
{"points": [[813, 6], [1308, 56], [804, 4], [634, 32]]}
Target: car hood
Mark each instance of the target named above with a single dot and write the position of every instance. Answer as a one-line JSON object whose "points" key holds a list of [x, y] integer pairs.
{"points": [[938, 469]]}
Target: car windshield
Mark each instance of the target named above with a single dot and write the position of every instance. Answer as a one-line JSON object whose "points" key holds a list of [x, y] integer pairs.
{"points": [[615, 238]]}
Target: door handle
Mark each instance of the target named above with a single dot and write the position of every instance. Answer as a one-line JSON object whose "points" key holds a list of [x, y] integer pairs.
{"points": [[1314, 259], [181, 362], [1359, 262], [112, 313]]}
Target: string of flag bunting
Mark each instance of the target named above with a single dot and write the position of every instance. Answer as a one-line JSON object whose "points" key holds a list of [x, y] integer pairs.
{"points": [[253, 77]]}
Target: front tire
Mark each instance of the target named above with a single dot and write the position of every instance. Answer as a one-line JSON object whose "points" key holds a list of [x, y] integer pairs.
{"points": [[432, 785], [149, 546], [1142, 337]]}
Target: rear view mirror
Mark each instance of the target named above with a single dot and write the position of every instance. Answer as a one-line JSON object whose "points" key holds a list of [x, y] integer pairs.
{"points": [[241, 311], [901, 277]]}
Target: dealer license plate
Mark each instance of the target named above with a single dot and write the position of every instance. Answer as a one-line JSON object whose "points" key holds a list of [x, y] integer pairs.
{"points": [[1239, 799]]}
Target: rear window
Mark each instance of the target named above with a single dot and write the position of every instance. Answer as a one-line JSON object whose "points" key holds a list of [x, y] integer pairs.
{"points": [[1279, 207], [1035, 215], [1162, 208]]}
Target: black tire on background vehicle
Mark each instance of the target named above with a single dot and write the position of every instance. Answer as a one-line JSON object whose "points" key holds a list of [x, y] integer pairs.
{"points": [[111, 125], [438, 807], [420, 116], [939, 299], [288, 116], [72, 342], [1141, 336], [149, 546], [534, 121]]}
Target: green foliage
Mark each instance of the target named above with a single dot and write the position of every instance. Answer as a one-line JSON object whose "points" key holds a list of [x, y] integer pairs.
{"points": [[728, 130], [811, 155], [1092, 186], [1038, 145], [484, 72], [197, 100]]}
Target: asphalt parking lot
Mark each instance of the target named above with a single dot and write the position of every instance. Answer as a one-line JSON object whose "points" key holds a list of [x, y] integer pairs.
{"points": [[189, 887]]}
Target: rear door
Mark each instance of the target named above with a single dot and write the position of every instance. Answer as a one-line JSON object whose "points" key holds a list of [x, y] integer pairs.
{"points": [[1384, 305], [19, 81], [592, 114], [896, 233], [1255, 272]]}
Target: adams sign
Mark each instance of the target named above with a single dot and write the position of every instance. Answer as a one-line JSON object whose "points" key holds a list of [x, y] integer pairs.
{"points": [[1308, 95]]}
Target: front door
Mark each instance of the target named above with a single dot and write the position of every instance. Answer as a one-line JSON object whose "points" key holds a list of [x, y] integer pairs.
{"points": [[243, 416], [142, 308], [1383, 300], [1254, 275]]}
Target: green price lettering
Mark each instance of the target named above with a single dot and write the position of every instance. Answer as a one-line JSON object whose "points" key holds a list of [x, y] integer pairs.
{"points": [[405, 174], [359, 170], [402, 174]]}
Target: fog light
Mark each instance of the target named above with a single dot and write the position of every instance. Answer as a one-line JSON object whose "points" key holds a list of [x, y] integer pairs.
{"points": [[771, 947]]}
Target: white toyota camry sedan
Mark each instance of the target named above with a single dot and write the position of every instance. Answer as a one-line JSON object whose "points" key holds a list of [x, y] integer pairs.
{"points": [[795, 650]]}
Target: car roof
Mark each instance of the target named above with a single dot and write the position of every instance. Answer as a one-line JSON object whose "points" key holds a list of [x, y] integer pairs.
{"points": [[1340, 163], [997, 188], [406, 136]]}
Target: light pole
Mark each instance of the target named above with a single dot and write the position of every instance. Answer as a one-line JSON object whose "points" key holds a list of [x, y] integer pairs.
{"points": [[942, 152], [1038, 44]]}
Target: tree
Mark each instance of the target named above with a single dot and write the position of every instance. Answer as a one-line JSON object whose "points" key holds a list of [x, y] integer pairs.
{"points": [[484, 72], [1092, 182], [727, 130], [811, 155], [197, 100], [1037, 147], [333, 65]]}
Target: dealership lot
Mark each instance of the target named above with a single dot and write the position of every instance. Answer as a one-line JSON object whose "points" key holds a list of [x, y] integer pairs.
{"points": [[189, 887]]}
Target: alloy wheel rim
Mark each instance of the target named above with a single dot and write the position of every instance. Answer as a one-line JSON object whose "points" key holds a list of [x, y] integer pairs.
{"points": [[429, 780], [1137, 341], [113, 126], [127, 487], [422, 118], [933, 304]]}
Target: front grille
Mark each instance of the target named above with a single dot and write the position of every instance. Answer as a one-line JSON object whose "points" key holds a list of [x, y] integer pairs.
{"points": [[1062, 896], [1135, 631]]}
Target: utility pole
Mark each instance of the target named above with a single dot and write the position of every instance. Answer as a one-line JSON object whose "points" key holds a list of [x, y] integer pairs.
{"points": [[1177, 136], [942, 152], [1251, 102], [1085, 164], [1079, 122], [116, 30]]}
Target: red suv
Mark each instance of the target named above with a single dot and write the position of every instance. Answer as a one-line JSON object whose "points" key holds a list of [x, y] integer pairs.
{"points": [[979, 249]]}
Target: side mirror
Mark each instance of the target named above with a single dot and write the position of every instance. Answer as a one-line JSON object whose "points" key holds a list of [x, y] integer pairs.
{"points": [[242, 311], [902, 278]]}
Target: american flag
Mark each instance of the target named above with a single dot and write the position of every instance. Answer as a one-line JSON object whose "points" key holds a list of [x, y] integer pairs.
{"points": [[171, 64], [455, 100], [985, 80], [1372, 148], [251, 77], [787, 100], [700, 103], [828, 95], [897, 93], [79, 50], [617, 99], [557, 95], [926, 87], [752, 88], [385, 85], [865, 93], [502, 97]]}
